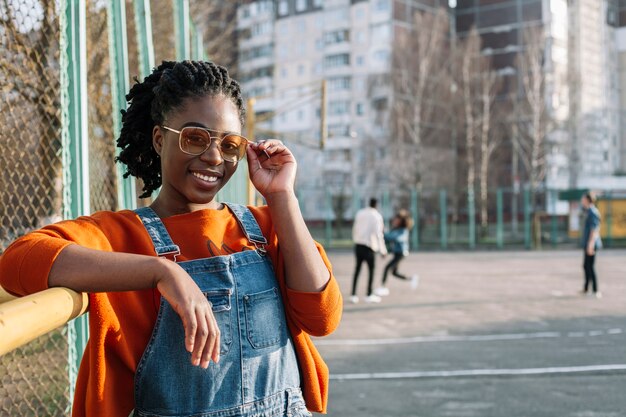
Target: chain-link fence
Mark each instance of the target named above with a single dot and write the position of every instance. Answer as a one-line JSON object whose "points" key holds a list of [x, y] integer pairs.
{"points": [[504, 218], [34, 379]]}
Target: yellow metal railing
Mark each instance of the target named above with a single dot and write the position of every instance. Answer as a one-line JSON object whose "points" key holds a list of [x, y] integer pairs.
{"points": [[25, 319]]}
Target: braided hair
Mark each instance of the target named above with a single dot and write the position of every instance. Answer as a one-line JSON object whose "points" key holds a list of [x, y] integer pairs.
{"points": [[150, 102]]}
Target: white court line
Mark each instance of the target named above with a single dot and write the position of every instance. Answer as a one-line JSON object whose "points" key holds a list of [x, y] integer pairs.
{"points": [[467, 338], [480, 372]]}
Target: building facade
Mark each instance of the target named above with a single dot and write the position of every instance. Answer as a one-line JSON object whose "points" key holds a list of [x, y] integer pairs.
{"points": [[287, 48]]}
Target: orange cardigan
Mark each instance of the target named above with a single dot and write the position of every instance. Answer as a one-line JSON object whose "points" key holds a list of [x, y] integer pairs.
{"points": [[120, 323]]}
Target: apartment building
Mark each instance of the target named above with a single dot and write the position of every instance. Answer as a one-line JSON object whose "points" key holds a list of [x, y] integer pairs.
{"points": [[584, 147], [287, 47]]}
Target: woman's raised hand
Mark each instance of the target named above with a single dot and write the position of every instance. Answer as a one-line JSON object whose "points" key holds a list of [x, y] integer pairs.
{"points": [[272, 167]]}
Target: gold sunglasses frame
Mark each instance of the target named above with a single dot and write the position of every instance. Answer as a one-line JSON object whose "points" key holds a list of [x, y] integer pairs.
{"points": [[209, 131]]}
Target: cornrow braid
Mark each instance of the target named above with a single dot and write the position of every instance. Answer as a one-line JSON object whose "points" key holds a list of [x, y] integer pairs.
{"points": [[152, 100]]}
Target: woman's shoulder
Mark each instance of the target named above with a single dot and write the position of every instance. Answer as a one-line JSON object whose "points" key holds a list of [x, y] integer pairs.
{"points": [[109, 217], [260, 212]]}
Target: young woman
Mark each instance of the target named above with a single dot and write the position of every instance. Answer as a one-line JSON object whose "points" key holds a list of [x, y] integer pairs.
{"points": [[398, 240], [196, 307]]}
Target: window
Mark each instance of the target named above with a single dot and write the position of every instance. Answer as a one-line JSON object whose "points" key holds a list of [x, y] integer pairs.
{"points": [[339, 83], [261, 28], [381, 56], [258, 73], [257, 52], [360, 109], [497, 17], [300, 69], [359, 84], [283, 8], [339, 60], [300, 5], [338, 130], [336, 108], [380, 104], [360, 61], [337, 36], [381, 32], [381, 5]]}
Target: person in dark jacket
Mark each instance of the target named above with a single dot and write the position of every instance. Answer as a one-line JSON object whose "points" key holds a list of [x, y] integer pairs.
{"points": [[590, 242]]}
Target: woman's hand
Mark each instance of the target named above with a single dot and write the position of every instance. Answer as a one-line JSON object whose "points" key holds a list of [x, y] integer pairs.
{"points": [[272, 167], [202, 335]]}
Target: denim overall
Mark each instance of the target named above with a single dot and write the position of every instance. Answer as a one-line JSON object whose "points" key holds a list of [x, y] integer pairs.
{"points": [[257, 375]]}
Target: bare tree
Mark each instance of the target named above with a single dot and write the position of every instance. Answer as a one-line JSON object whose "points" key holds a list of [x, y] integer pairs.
{"points": [[490, 136], [29, 73], [535, 121], [470, 69], [419, 73], [216, 21], [102, 187]]}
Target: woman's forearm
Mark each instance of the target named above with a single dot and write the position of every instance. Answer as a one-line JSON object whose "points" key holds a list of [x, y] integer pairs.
{"points": [[304, 268], [90, 270]]}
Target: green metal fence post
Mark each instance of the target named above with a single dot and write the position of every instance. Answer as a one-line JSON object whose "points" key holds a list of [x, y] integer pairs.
{"points": [[416, 219], [386, 209], [553, 220], [197, 49], [328, 230], [74, 136], [118, 50], [527, 242], [181, 29], [356, 203], [471, 217], [609, 219], [443, 217], [499, 225], [143, 28]]}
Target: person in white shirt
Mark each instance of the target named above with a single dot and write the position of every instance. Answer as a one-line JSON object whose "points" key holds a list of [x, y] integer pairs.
{"points": [[368, 237]]}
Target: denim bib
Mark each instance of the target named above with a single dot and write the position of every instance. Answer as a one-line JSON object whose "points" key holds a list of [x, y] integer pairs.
{"points": [[257, 375]]}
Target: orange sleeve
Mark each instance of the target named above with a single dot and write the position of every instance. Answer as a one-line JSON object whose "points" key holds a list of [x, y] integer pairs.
{"points": [[26, 263], [317, 313], [323, 310]]}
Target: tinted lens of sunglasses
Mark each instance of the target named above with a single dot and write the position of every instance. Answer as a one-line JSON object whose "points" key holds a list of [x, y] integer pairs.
{"points": [[195, 140]]}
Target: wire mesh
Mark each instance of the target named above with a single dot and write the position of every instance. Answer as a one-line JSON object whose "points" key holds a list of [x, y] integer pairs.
{"points": [[34, 377], [102, 174], [30, 163]]}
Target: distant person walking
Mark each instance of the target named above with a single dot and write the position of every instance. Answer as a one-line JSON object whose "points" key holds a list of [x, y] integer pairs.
{"points": [[397, 240], [368, 237], [590, 242]]}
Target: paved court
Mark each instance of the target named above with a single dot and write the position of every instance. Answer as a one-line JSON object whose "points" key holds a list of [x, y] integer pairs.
{"points": [[502, 334]]}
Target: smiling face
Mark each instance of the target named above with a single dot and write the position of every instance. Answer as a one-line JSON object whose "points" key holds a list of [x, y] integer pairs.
{"points": [[191, 182]]}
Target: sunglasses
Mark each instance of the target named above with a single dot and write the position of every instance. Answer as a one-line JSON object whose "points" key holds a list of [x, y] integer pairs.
{"points": [[194, 140]]}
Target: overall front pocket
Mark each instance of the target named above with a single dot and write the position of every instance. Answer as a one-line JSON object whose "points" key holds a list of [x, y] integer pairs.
{"points": [[220, 301], [265, 320]]}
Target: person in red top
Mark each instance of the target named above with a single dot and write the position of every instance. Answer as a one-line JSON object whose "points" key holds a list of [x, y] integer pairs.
{"points": [[181, 136]]}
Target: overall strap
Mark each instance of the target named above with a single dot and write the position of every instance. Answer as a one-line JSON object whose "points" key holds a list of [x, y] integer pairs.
{"points": [[249, 225], [163, 244]]}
